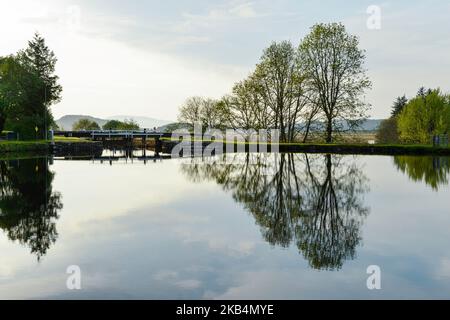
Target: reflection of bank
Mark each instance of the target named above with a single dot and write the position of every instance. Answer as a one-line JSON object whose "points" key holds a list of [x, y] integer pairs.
{"points": [[434, 171], [315, 201], [28, 206]]}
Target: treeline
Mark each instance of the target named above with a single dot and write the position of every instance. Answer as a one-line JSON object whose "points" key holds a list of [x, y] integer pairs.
{"points": [[86, 124], [28, 87], [321, 82], [417, 120]]}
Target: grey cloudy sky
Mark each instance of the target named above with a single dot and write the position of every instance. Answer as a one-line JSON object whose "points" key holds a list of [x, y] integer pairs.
{"points": [[145, 58]]}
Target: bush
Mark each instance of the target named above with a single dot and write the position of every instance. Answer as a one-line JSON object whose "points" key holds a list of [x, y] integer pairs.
{"points": [[119, 125], [85, 124], [388, 131], [425, 116]]}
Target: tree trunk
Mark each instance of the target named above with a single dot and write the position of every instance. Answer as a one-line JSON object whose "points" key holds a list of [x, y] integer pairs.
{"points": [[329, 138], [2, 123]]}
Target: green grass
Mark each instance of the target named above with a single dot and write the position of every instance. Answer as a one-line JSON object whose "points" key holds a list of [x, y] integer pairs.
{"points": [[347, 148], [23, 146], [70, 139], [38, 147]]}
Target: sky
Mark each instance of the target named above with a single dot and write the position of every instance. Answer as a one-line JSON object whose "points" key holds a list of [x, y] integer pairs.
{"points": [[145, 58]]}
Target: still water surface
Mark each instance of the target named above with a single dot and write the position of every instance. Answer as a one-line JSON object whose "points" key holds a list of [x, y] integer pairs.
{"points": [[287, 226]]}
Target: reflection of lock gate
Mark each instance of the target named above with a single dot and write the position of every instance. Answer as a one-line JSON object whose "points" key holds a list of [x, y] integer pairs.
{"points": [[440, 140]]}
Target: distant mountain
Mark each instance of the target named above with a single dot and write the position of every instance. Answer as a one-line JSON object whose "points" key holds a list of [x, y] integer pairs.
{"points": [[67, 122], [371, 124], [144, 122]]}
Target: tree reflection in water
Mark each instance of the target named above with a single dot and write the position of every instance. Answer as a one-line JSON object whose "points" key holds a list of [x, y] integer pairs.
{"points": [[315, 201], [28, 206], [433, 170]]}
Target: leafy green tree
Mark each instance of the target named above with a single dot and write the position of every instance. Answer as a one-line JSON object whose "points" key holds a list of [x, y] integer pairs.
{"points": [[19, 88], [425, 116], [9, 87], [333, 66], [121, 125], [28, 88], [40, 59], [246, 108], [273, 96], [281, 87], [86, 124]]}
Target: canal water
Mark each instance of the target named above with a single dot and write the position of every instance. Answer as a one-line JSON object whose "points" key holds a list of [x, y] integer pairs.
{"points": [[241, 226]]}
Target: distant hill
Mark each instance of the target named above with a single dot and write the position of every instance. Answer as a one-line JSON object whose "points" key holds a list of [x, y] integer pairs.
{"points": [[144, 122], [67, 122], [371, 124]]}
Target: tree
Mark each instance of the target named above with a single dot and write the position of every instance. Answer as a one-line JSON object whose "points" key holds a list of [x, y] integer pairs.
{"points": [[425, 116], [28, 87], [398, 106], [19, 88], [39, 59], [282, 87], [246, 108], [128, 124], [85, 124], [388, 131], [9, 87], [273, 96], [207, 112], [333, 66], [190, 110]]}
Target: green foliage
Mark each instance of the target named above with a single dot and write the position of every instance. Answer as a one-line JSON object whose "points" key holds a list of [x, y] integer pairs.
{"points": [[85, 124], [388, 131], [333, 66], [426, 115], [28, 205], [207, 112], [28, 87], [322, 81], [434, 171], [119, 125], [38, 58], [398, 106]]}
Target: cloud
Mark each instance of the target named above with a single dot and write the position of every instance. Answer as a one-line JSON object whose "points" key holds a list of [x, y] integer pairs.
{"points": [[218, 15], [188, 284]]}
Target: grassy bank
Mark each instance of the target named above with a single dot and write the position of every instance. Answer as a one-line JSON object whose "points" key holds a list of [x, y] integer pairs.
{"points": [[375, 149], [20, 146], [36, 147], [339, 148]]}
